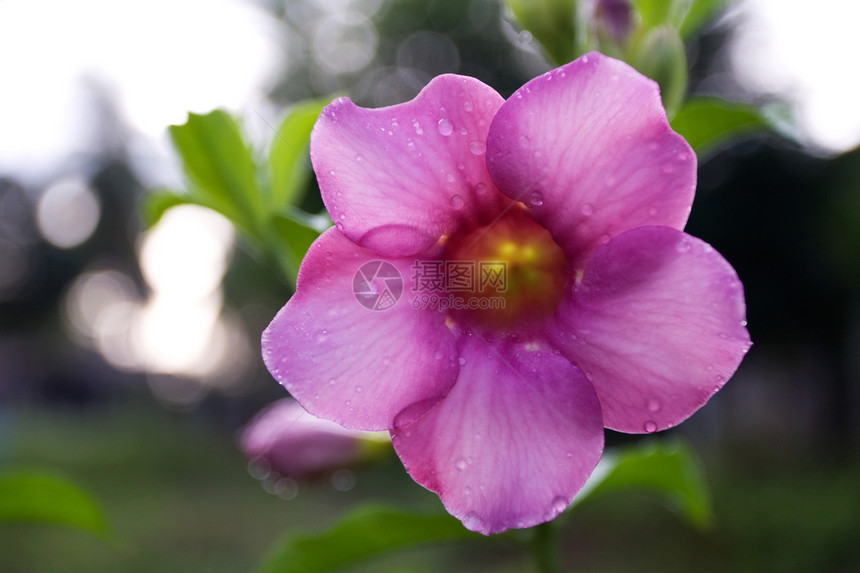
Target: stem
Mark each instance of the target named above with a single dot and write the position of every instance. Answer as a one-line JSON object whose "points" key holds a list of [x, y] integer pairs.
{"points": [[545, 548]]}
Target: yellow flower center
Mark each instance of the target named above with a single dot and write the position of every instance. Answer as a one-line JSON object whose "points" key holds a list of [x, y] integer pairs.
{"points": [[519, 271]]}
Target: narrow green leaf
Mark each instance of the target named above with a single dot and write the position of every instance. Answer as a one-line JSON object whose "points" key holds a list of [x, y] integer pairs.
{"points": [[219, 165], [670, 470], [699, 14], [707, 123], [155, 203], [361, 536], [656, 13], [295, 236], [553, 23], [41, 497], [289, 164]]}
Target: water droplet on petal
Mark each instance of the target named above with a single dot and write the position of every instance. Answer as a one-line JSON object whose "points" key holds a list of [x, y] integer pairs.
{"points": [[536, 198], [462, 361], [342, 216], [652, 211], [650, 427], [524, 141], [480, 188], [438, 355], [588, 209], [473, 522], [417, 127], [457, 202], [559, 504], [683, 246], [445, 127], [359, 389], [331, 172], [468, 106], [653, 405], [461, 464], [478, 147], [467, 490]]}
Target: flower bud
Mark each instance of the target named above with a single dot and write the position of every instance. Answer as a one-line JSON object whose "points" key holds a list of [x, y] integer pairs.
{"points": [[292, 443]]}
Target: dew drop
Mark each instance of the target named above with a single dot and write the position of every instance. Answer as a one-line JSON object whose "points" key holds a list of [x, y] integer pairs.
{"points": [[584, 59], [743, 323], [342, 216], [650, 427], [473, 522], [462, 361], [605, 239], [438, 355], [467, 490], [359, 157], [524, 141], [653, 405], [359, 389], [461, 464], [450, 178], [468, 106], [536, 198], [588, 209], [652, 211], [348, 403], [480, 188], [461, 166], [683, 246], [331, 172], [559, 504], [668, 169], [463, 131], [445, 127], [568, 455], [457, 202], [410, 143], [332, 382], [417, 127], [478, 147]]}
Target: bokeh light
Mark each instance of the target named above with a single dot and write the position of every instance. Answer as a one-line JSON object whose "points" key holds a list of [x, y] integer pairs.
{"points": [[68, 213]]}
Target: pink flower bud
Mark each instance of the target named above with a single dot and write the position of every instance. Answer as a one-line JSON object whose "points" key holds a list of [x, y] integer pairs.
{"points": [[292, 443]]}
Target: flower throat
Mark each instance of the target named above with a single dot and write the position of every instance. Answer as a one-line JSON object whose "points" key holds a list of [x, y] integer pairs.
{"points": [[520, 272]]}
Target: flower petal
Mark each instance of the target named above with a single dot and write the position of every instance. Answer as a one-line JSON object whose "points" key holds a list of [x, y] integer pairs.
{"points": [[657, 325], [513, 441], [396, 179], [588, 149], [345, 362]]}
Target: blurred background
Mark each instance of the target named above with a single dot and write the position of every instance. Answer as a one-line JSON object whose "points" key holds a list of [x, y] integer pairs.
{"points": [[129, 358]]}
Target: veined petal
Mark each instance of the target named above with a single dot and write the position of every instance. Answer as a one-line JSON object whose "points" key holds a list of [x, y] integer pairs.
{"points": [[588, 149], [657, 324], [512, 442], [396, 179], [350, 364]]}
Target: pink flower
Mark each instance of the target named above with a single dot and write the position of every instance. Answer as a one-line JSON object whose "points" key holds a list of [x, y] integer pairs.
{"points": [[298, 445], [613, 316]]}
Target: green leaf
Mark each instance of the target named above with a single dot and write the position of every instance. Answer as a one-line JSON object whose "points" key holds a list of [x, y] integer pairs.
{"points": [[670, 470], [41, 497], [156, 202], [289, 164], [699, 14], [295, 235], [552, 23], [656, 13], [708, 123], [219, 165], [361, 536]]}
